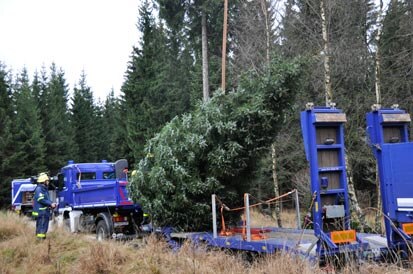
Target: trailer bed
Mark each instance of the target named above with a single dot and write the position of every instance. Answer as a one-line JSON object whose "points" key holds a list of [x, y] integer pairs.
{"points": [[298, 241]]}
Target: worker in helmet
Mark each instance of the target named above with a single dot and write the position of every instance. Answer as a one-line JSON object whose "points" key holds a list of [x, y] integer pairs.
{"points": [[42, 203]]}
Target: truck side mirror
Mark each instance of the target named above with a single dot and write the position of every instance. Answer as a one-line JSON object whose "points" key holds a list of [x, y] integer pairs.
{"points": [[60, 182], [120, 166], [52, 183]]}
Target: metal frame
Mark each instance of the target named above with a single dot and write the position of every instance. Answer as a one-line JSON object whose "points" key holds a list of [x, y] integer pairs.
{"points": [[394, 159], [313, 119]]}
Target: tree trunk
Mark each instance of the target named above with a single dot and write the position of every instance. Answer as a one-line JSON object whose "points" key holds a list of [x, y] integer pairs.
{"points": [[205, 74], [273, 149], [377, 56], [377, 60], [357, 213], [379, 217], [275, 180], [327, 71], [224, 46], [267, 31]]}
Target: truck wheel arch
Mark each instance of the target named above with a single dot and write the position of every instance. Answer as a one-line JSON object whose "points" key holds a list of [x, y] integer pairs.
{"points": [[106, 217]]}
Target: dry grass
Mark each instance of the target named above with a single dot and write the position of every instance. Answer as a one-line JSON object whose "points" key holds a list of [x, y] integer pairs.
{"points": [[288, 219], [63, 252]]}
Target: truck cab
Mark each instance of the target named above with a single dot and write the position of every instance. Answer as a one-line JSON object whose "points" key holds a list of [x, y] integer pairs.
{"points": [[94, 197]]}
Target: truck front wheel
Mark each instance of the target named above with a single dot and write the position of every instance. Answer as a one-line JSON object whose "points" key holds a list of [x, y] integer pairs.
{"points": [[102, 231]]}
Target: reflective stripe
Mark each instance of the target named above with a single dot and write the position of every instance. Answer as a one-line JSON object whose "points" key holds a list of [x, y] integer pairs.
{"points": [[34, 213], [40, 198], [145, 214], [40, 235], [42, 208]]}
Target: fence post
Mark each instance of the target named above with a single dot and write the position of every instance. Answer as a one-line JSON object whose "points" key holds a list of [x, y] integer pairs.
{"points": [[297, 209], [247, 216], [214, 217]]}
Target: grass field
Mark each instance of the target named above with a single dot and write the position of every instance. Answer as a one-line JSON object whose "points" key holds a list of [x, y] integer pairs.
{"points": [[63, 252]]}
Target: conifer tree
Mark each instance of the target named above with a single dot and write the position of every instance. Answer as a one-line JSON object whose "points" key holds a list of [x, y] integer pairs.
{"points": [[6, 137], [396, 46], [53, 101], [113, 130], [29, 156], [83, 118], [144, 93]]}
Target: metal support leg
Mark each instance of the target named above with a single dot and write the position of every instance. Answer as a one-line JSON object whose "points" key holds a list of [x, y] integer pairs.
{"points": [[247, 216], [214, 217], [297, 209]]}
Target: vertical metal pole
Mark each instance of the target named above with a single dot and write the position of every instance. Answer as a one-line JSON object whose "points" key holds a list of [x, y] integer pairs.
{"points": [[247, 216], [297, 210], [224, 45], [214, 217]]}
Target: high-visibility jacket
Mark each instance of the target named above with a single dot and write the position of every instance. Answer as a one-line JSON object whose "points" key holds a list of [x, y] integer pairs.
{"points": [[41, 201]]}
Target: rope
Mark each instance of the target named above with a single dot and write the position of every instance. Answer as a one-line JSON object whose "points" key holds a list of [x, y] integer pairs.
{"points": [[310, 222], [265, 202], [224, 231]]}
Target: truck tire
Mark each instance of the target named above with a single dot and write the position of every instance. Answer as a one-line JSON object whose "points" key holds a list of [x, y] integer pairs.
{"points": [[102, 231]]}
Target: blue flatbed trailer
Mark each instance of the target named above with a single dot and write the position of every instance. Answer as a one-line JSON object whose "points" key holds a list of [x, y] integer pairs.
{"points": [[332, 236], [301, 242]]}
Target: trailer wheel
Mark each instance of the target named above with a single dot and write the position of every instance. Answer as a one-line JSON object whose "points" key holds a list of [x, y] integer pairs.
{"points": [[102, 231]]}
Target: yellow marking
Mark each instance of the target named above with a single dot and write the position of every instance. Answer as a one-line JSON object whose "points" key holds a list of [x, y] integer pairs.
{"points": [[408, 228], [343, 236]]}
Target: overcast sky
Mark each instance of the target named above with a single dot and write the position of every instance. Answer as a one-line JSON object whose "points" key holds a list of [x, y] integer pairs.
{"points": [[92, 35]]}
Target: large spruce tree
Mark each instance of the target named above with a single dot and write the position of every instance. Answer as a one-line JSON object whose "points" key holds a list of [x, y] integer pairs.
{"points": [[213, 149]]}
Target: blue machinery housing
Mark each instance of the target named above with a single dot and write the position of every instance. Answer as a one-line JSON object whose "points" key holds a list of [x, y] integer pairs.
{"points": [[331, 234], [388, 131]]}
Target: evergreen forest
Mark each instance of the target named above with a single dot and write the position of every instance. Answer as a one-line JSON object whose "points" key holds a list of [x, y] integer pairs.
{"points": [[185, 133]]}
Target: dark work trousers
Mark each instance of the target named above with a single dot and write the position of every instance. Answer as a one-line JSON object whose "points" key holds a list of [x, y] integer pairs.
{"points": [[42, 225]]}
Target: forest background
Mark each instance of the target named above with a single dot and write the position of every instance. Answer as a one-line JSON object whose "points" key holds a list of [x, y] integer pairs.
{"points": [[173, 80]]}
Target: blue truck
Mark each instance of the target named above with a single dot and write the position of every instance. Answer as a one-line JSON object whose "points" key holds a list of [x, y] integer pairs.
{"points": [[22, 192], [94, 197], [91, 197]]}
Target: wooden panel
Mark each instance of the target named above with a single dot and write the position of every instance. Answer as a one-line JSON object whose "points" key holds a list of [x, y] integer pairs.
{"points": [[392, 134], [27, 197], [333, 179], [391, 118], [330, 117], [324, 133], [327, 158], [327, 200]]}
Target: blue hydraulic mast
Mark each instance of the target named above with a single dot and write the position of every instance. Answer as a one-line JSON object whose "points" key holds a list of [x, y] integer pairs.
{"points": [[388, 132], [323, 134]]}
